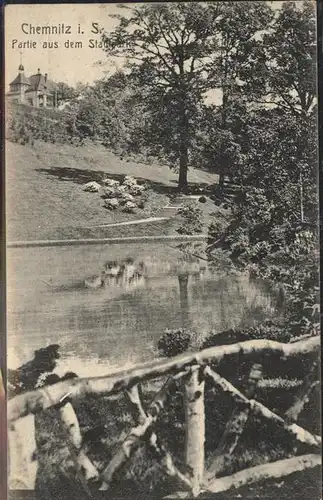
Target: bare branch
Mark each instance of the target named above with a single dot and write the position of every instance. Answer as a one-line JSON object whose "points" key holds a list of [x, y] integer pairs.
{"points": [[155, 44]]}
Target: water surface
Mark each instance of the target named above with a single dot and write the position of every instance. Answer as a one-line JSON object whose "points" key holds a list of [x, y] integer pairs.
{"points": [[113, 327]]}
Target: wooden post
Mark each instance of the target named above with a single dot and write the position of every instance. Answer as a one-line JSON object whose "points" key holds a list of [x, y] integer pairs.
{"points": [[195, 427], [22, 454]]}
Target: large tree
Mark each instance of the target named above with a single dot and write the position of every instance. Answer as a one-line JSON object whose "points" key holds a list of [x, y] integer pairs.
{"points": [[179, 51], [291, 84], [238, 71], [170, 48], [290, 48]]}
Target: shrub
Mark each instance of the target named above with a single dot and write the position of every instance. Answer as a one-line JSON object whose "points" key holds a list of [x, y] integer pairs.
{"points": [[174, 342], [191, 219]]}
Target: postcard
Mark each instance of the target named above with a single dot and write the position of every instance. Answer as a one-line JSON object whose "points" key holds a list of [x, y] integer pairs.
{"points": [[162, 245]]}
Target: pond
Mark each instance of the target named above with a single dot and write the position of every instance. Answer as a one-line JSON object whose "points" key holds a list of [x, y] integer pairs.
{"points": [[55, 295]]}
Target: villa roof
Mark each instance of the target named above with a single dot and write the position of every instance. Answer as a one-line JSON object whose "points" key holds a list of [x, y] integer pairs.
{"points": [[21, 79], [38, 82]]}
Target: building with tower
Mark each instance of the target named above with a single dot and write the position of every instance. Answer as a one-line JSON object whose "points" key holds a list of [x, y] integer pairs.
{"points": [[36, 90]]}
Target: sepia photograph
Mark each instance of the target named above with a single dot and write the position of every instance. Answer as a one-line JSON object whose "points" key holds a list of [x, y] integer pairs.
{"points": [[162, 251]]}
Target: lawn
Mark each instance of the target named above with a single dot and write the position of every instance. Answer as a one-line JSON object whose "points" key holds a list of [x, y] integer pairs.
{"points": [[45, 197]]}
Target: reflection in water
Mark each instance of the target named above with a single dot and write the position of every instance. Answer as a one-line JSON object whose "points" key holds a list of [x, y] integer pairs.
{"points": [[125, 274], [119, 323], [183, 299]]}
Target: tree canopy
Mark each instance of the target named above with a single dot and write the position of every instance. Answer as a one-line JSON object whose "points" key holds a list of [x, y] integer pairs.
{"points": [[179, 51]]}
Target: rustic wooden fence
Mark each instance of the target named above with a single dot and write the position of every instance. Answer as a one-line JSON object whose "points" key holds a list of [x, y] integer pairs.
{"points": [[193, 369]]}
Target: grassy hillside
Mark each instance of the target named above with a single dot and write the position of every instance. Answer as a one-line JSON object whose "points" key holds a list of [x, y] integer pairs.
{"points": [[45, 197]]}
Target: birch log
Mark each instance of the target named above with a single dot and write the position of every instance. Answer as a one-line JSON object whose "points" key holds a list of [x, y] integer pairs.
{"points": [[302, 396], [137, 434], [166, 460], [168, 463], [301, 399], [274, 470], [302, 435], [134, 395], [36, 401], [195, 427], [22, 454], [71, 426], [235, 426]]}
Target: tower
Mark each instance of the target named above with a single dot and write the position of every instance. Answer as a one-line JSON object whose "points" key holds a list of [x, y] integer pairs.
{"points": [[22, 89], [20, 84]]}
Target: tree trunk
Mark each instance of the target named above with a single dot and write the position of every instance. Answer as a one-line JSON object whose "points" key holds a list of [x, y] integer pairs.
{"points": [[225, 101], [184, 132], [183, 160], [301, 194], [183, 167], [221, 181], [195, 428]]}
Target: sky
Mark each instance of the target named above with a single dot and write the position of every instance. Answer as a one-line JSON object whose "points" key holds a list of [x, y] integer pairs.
{"points": [[68, 64]]}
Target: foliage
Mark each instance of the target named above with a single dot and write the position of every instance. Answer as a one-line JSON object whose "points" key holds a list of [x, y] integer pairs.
{"points": [[174, 342], [273, 246], [176, 52], [25, 125], [192, 217], [291, 58], [65, 93], [27, 375], [273, 232]]}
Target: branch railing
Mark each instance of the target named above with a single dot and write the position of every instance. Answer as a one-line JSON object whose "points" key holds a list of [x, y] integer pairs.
{"points": [[192, 370]]}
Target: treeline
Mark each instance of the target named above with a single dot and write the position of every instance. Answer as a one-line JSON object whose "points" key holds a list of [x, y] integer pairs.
{"points": [[224, 86]]}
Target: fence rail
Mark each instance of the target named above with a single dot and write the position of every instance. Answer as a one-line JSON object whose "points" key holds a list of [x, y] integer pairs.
{"points": [[192, 370]]}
